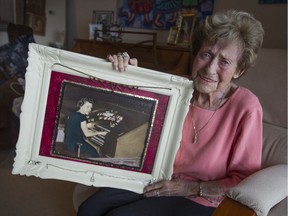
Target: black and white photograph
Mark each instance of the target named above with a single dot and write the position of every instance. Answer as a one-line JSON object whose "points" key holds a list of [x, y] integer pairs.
{"points": [[102, 126]]}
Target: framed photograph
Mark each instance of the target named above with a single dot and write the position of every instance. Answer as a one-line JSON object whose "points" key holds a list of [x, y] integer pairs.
{"points": [[35, 6], [173, 35], [103, 17], [36, 22], [92, 28], [82, 121], [186, 30]]}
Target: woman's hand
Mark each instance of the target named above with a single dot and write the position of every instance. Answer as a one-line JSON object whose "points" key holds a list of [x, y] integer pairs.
{"points": [[102, 133], [174, 187], [121, 61]]}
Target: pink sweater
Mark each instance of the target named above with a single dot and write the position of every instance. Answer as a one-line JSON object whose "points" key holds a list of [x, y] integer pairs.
{"points": [[228, 148]]}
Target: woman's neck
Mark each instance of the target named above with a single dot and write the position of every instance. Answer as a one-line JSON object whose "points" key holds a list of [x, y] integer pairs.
{"points": [[214, 100], [81, 111]]}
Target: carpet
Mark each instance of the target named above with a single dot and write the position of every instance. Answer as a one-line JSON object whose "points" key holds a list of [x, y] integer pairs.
{"points": [[23, 195]]}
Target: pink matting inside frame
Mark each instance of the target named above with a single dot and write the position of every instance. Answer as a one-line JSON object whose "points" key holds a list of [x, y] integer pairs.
{"points": [[52, 115]]}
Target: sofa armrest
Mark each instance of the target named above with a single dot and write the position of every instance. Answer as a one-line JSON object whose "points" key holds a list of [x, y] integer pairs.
{"points": [[230, 207], [262, 190]]}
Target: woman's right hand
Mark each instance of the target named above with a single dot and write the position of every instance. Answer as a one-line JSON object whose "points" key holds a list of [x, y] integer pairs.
{"points": [[102, 133], [121, 61]]}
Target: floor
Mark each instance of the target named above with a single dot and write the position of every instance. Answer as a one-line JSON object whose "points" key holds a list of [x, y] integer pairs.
{"points": [[32, 196]]}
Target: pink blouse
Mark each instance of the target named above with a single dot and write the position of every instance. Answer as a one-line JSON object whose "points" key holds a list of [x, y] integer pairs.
{"points": [[228, 148]]}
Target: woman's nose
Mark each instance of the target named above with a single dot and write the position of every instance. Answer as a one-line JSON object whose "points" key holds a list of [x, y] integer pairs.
{"points": [[211, 67]]}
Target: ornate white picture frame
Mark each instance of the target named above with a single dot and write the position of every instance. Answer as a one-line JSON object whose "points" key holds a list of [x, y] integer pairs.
{"points": [[141, 112]]}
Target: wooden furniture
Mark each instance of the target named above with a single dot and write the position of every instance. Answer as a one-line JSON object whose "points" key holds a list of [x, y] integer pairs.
{"points": [[135, 48], [229, 205], [169, 59]]}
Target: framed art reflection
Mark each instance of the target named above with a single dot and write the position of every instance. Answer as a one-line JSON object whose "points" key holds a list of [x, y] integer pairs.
{"points": [[173, 35], [187, 28], [103, 17]]}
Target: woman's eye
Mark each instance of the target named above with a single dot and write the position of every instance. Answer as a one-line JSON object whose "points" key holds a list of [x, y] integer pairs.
{"points": [[224, 62], [205, 55]]}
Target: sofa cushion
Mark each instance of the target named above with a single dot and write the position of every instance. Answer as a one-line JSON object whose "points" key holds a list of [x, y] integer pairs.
{"points": [[268, 80], [274, 145], [262, 190], [9, 122], [13, 57]]}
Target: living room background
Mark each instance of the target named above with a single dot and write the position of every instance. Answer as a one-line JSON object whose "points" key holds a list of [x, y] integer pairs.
{"points": [[74, 16]]}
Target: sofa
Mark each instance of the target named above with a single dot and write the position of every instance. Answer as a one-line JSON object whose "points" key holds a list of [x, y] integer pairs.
{"points": [[264, 192], [13, 63]]}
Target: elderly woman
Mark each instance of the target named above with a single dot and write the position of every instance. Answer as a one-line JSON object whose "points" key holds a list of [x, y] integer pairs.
{"points": [[222, 133]]}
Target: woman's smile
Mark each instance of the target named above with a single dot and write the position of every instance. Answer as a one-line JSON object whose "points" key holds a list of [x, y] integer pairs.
{"points": [[207, 79]]}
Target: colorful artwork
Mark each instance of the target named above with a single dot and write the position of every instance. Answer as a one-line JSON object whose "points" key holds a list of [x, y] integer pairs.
{"points": [[159, 14]]}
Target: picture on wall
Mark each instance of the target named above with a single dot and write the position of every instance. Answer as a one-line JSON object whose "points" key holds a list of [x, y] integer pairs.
{"points": [[35, 17], [93, 28], [158, 14], [102, 21], [186, 29], [173, 35], [39, 24], [102, 17], [35, 6]]}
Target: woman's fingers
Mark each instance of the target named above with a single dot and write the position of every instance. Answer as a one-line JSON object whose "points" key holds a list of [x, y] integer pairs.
{"points": [[153, 190], [121, 61], [174, 187], [134, 61]]}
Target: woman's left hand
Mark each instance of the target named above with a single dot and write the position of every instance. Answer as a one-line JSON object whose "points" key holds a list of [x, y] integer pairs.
{"points": [[121, 61], [174, 187]]}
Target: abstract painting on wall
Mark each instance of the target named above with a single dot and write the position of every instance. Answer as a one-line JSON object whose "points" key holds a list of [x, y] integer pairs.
{"points": [[158, 14]]}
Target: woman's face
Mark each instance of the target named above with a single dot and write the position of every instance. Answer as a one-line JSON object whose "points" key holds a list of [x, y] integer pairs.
{"points": [[215, 65], [86, 108]]}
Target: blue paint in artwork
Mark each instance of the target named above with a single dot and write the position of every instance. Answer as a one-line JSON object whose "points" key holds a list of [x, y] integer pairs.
{"points": [[158, 14]]}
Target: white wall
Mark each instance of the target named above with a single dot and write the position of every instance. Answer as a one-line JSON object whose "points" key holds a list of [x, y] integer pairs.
{"points": [[55, 23], [79, 15], [272, 16]]}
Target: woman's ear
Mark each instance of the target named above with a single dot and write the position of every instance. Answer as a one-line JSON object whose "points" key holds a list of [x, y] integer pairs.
{"points": [[238, 74]]}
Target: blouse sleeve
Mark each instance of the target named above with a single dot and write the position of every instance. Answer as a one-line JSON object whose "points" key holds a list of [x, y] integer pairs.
{"points": [[245, 157], [247, 152]]}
